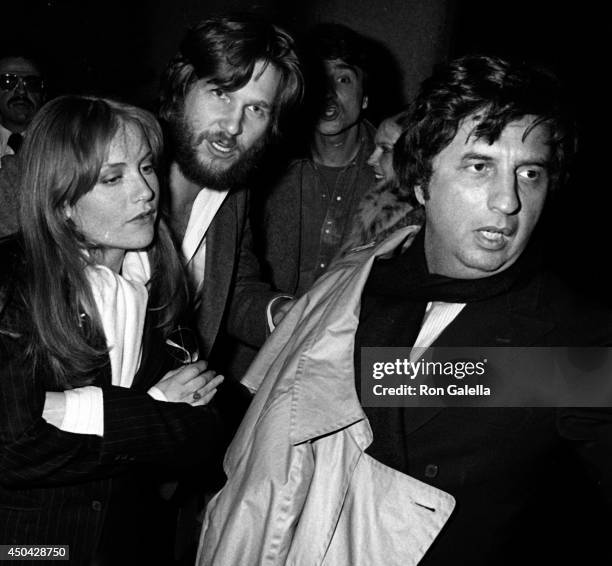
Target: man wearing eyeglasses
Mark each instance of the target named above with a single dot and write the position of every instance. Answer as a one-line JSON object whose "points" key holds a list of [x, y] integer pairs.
{"points": [[21, 95]]}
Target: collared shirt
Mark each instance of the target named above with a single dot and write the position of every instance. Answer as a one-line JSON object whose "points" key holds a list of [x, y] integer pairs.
{"points": [[438, 316], [330, 196]]}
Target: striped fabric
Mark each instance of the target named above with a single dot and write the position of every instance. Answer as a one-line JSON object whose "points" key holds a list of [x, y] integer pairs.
{"points": [[56, 486], [438, 316]]}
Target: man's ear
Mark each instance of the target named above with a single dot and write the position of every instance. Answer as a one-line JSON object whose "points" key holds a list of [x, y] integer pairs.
{"points": [[364, 102], [418, 193]]}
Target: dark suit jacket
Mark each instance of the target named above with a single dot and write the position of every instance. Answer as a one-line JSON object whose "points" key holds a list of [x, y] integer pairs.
{"points": [[9, 178], [532, 485], [232, 320], [57, 487], [234, 296]]}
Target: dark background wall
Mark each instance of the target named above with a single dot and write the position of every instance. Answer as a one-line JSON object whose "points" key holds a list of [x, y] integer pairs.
{"points": [[119, 48], [571, 38]]}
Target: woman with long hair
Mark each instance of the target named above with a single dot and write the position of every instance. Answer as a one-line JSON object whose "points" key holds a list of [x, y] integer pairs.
{"points": [[94, 408]]}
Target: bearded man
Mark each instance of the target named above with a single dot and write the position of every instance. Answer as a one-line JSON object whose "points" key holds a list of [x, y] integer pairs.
{"points": [[222, 99]]}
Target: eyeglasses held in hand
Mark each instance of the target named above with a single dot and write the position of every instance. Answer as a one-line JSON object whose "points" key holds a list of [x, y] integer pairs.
{"points": [[33, 83], [182, 345]]}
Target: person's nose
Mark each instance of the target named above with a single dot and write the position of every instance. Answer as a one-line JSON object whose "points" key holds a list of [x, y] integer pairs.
{"points": [[20, 87], [145, 187], [503, 195], [331, 86], [232, 119], [374, 158]]}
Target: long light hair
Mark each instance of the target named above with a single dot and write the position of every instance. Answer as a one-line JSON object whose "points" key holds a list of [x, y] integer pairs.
{"points": [[63, 153]]}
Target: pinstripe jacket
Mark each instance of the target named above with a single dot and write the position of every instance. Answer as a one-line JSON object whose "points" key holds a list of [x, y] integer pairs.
{"points": [[57, 487]]}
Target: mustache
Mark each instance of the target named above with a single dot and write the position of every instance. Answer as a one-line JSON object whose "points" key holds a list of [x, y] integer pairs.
{"points": [[185, 142], [219, 137], [19, 99]]}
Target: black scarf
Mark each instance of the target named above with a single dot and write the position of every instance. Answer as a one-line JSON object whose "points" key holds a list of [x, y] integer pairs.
{"points": [[392, 308], [398, 290]]}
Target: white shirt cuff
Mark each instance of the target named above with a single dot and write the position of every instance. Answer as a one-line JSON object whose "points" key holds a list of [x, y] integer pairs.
{"points": [[271, 325], [157, 394], [84, 411]]}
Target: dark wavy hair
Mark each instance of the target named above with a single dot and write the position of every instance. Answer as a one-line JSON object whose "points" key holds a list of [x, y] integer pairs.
{"points": [[61, 159], [225, 50], [495, 90], [329, 41]]}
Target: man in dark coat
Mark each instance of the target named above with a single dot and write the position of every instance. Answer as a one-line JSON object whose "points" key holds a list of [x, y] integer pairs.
{"points": [[9, 178], [308, 213], [22, 93], [486, 142]]}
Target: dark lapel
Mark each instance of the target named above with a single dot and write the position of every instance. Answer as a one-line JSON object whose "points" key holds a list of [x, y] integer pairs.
{"points": [[284, 227], [154, 361], [517, 318], [221, 257]]}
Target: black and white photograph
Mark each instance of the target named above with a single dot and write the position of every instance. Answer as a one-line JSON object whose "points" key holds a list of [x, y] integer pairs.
{"points": [[305, 283]]}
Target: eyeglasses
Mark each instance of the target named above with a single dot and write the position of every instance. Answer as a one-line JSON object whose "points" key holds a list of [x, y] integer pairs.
{"points": [[182, 345], [9, 81]]}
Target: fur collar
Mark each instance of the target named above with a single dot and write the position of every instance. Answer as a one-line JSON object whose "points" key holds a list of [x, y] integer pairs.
{"points": [[382, 210]]}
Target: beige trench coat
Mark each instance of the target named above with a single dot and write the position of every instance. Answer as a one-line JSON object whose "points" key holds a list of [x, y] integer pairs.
{"points": [[300, 488]]}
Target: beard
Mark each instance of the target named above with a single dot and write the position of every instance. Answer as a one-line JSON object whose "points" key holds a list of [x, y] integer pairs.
{"points": [[185, 143]]}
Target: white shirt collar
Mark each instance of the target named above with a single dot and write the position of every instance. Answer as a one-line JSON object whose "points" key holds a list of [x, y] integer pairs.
{"points": [[204, 209]]}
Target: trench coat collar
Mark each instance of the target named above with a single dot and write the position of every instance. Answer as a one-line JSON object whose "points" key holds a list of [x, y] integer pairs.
{"points": [[324, 395], [324, 399]]}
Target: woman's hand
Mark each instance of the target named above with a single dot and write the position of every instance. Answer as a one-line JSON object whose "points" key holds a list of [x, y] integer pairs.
{"points": [[191, 383]]}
